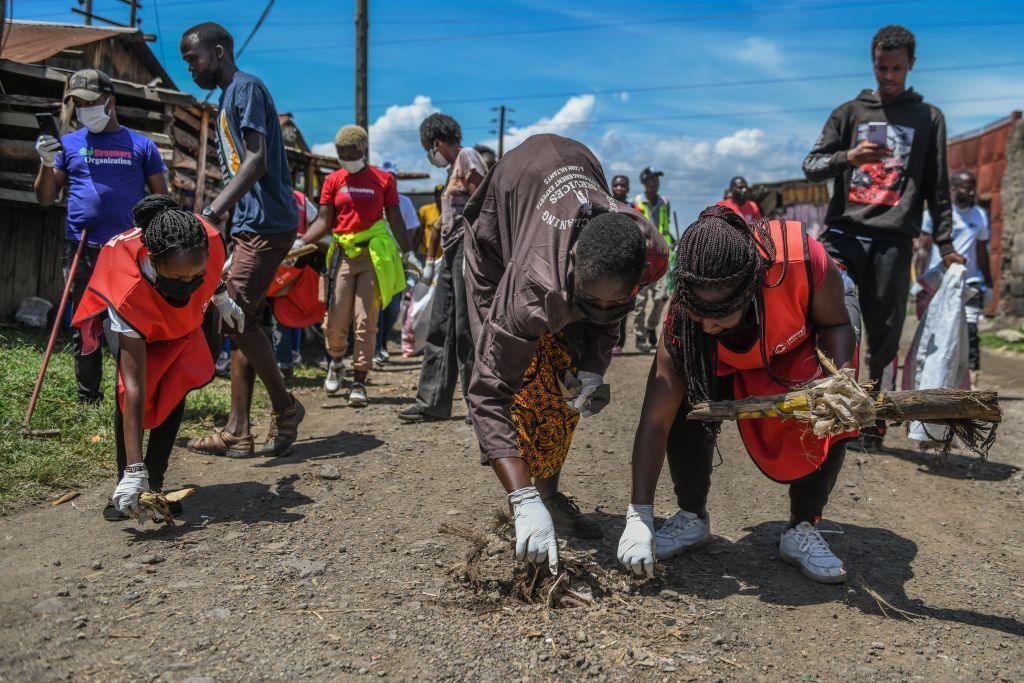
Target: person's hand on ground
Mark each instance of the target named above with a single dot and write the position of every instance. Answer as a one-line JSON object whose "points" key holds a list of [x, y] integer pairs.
{"points": [[953, 257], [636, 545], [47, 147], [535, 532], [126, 495], [867, 153], [229, 311]]}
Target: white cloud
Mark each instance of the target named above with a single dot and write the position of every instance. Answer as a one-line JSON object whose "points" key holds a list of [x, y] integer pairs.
{"points": [[623, 96], [571, 120], [760, 52], [744, 143], [698, 170], [395, 137]]}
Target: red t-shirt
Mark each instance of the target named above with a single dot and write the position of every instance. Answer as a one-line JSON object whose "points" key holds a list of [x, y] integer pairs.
{"points": [[359, 199], [750, 211]]}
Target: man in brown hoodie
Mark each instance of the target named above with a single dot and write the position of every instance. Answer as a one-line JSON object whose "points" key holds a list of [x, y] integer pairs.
{"points": [[553, 263]]}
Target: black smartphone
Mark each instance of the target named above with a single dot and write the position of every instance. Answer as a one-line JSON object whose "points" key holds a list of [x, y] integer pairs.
{"points": [[47, 124]]}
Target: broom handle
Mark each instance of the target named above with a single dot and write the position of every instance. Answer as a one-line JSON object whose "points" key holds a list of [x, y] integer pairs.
{"points": [[53, 333]]}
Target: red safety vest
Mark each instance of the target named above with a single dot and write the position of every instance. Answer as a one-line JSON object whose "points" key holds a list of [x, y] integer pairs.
{"points": [[785, 450], [295, 292], [177, 355]]}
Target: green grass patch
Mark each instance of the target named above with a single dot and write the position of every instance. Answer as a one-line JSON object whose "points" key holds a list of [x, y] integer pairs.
{"points": [[32, 468], [991, 341]]}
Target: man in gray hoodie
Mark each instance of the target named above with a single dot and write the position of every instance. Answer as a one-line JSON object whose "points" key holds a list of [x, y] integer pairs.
{"points": [[886, 153]]}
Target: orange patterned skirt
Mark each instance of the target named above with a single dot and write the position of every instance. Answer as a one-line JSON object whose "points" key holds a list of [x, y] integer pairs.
{"points": [[544, 423]]}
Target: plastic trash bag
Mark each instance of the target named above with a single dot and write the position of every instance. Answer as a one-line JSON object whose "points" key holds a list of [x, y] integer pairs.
{"points": [[417, 319], [938, 355]]}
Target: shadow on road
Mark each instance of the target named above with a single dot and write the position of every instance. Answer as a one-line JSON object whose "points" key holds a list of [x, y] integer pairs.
{"points": [[955, 466], [248, 501], [341, 445], [879, 557]]}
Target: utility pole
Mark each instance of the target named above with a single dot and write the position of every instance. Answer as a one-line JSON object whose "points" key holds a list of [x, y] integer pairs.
{"points": [[501, 121], [362, 30], [133, 14]]}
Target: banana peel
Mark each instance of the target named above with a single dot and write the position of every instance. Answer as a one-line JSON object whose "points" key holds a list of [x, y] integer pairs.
{"points": [[156, 506]]}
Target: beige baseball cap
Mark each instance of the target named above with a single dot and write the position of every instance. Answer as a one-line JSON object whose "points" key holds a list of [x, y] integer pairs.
{"points": [[89, 85]]}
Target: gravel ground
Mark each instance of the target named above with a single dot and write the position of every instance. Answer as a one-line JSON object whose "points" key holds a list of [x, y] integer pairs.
{"points": [[328, 565]]}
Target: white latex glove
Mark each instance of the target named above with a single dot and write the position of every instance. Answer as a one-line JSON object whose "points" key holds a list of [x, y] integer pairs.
{"points": [[636, 545], [427, 274], [412, 262], [126, 495], [47, 147], [229, 311], [578, 389], [535, 532]]}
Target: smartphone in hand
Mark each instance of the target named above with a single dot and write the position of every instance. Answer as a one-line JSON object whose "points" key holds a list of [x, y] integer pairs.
{"points": [[878, 133], [47, 125]]}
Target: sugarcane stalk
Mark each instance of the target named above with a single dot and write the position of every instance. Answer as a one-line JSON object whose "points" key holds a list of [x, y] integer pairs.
{"points": [[925, 405]]}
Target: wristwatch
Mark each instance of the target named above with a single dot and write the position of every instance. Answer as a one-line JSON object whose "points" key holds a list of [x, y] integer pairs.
{"points": [[209, 214]]}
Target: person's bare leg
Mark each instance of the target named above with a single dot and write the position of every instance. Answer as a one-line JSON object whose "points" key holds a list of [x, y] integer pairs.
{"points": [[547, 486], [254, 356]]}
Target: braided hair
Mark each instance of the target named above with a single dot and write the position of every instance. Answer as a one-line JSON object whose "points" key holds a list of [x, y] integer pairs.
{"points": [[168, 229], [718, 253]]}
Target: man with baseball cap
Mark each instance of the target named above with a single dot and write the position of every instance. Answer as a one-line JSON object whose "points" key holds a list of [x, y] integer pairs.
{"points": [[651, 300], [106, 168]]}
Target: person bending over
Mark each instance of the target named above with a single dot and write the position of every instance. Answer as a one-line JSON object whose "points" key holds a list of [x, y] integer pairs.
{"points": [[154, 282], [553, 263], [749, 308]]}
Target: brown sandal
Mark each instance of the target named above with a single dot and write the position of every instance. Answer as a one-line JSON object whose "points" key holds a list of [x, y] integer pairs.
{"points": [[284, 430], [222, 444]]}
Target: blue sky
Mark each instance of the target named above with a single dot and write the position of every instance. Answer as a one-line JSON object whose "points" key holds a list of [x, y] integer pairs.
{"points": [[688, 87]]}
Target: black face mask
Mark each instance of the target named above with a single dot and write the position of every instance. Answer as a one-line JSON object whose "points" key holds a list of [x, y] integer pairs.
{"points": [[176, 292], [602, 316]]}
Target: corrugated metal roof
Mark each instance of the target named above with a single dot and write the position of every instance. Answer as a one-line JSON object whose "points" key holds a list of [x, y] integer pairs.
{"points": [[30, 42], [34, 41]]}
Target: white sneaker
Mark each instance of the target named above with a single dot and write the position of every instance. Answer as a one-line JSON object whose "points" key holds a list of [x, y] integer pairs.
{"points": [[804, 547], [681, 532], [335, 374], [357, 395]]}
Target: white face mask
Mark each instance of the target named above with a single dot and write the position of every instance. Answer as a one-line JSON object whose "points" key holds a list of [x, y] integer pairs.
{"points": [[352, 166], [95, 118], [436, 158]]}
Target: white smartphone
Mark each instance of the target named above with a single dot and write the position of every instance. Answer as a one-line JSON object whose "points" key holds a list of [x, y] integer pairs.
{"points": [[878, 133]]}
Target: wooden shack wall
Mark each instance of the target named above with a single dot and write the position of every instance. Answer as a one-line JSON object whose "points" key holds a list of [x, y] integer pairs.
{"points": [[112, 56], [31, 243]]}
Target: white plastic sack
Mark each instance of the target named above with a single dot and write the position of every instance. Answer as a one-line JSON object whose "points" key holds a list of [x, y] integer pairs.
{"points": [[417, 320], [938, 356], [33, 312]]}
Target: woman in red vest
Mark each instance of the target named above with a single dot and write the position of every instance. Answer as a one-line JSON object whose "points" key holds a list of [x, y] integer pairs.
{"points": [[154, 283], [749, 306]]}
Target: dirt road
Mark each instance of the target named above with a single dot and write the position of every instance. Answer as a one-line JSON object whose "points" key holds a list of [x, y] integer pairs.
{"points": [[328, 565]]}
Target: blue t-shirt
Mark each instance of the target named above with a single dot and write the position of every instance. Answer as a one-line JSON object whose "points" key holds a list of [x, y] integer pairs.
{"points": [[106, 176], [268, 207]]}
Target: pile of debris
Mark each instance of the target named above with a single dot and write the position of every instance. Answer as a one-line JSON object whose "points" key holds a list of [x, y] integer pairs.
{"points": [[581, 580]]}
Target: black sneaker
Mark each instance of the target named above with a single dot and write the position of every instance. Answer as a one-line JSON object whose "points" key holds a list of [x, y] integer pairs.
{"points": [[414, 414], [112, 514], [652, 339], [569, 519]]}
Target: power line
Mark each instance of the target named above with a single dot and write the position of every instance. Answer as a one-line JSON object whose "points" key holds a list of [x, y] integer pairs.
{"points": [[679, 86], [718, 114]]}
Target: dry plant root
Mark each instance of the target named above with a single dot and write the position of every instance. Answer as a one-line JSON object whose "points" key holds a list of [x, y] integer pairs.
{"points": [[838, 404], [156, 506], [579, 583]]}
